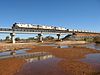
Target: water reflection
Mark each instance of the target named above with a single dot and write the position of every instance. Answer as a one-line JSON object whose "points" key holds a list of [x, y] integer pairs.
{"points": [[41, 65], [49, 44], [63, 46], [8, 53], [93, 59], [37, 58], [91, 46]]}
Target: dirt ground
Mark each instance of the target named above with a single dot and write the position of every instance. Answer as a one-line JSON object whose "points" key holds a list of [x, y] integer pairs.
{"points": [[70, 63], [10, 66]]}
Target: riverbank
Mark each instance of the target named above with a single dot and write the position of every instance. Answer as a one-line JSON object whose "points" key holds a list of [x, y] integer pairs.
{"points": [[16, 46], [10, 46], [71, 42]]}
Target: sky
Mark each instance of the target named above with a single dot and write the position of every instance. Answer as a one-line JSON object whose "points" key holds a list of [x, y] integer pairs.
{"points": [[72, 14]]}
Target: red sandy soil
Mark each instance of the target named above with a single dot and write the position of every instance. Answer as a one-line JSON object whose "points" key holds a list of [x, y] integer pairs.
{"points": [[7, 46], [67, 53], [10, 66], [70, 63]]}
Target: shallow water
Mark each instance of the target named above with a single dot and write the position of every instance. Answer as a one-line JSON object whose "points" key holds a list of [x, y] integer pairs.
{"points": [[91, 46], [41, 65], [7, 53], [49, 44], [93, 59], [63, 46]]}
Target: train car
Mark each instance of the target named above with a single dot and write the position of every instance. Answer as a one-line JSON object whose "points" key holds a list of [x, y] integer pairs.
{"points": [[82, 30], [79, 30], [33, 26], [86, 31], [48, 27], [51, 27], [75, 30], [40, 27], [57, 28], [60, 28], [21, 25], [63, 28], [70, 30], [44, 27]]}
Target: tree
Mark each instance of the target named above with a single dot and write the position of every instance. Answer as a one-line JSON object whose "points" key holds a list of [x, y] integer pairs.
{"points": [[7, 38], [97, 39], [17, 39], [30, 38], [49, 38]]}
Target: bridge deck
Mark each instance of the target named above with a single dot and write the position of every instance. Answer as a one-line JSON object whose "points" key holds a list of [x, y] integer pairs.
{"points": [[29, 31]]}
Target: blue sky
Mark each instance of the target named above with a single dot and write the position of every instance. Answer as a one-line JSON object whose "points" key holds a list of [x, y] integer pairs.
{"points": [[73, 14]]}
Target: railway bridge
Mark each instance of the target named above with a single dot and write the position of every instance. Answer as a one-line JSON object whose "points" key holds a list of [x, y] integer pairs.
{"points": [[13, 31]]}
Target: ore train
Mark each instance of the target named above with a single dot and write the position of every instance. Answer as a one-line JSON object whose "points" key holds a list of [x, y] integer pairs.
{"points": [[36, 26]]}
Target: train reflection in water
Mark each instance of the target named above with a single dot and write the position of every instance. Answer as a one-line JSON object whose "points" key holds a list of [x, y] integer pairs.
{"points": [[37, 58]]}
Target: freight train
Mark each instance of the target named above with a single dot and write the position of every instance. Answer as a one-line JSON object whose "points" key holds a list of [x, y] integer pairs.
{"points": [[37, 26]]}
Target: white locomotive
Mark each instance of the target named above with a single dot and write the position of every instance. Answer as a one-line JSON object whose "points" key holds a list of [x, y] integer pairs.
{"points": [[35, 26]]}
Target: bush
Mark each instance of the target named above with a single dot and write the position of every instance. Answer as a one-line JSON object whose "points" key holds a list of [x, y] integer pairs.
{"points": [[97, 39]]}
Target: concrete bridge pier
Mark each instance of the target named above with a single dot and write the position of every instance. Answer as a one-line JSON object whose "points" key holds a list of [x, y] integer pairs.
{"points": [[58, 35], [12, 37], [40, 38]]}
